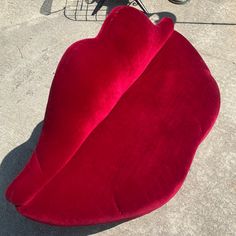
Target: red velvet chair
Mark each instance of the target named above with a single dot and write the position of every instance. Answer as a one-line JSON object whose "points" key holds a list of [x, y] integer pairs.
{"points": [[125, 115]]}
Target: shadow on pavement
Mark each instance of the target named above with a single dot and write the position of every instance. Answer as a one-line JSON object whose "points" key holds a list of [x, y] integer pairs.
{"points": [[81, 10]]}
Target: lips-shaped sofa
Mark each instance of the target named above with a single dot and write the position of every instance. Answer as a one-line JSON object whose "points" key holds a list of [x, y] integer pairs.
{"points": [[125, 115]]}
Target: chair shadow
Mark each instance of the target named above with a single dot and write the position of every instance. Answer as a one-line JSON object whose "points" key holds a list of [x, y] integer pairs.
{"points": [[81, 10], [11, 222]]}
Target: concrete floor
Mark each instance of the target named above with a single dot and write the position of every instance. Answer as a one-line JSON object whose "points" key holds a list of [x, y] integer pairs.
{"points": [[32, 41]]}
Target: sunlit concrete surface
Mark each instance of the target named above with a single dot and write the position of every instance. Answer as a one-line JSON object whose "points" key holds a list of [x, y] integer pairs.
{"points": [[33, 37]]}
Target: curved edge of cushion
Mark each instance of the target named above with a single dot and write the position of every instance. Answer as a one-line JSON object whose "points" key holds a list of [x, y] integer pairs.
{"points": [[139, 156]]}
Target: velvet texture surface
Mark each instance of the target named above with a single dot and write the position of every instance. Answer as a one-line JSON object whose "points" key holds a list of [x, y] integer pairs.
{"points": [[125, 115]]}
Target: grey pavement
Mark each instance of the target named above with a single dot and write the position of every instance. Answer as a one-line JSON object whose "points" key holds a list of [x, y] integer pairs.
{"points": [[33, 37]]}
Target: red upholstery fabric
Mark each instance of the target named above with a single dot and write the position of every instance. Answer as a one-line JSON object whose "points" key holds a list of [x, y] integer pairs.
{"points": [[126, 113]]}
